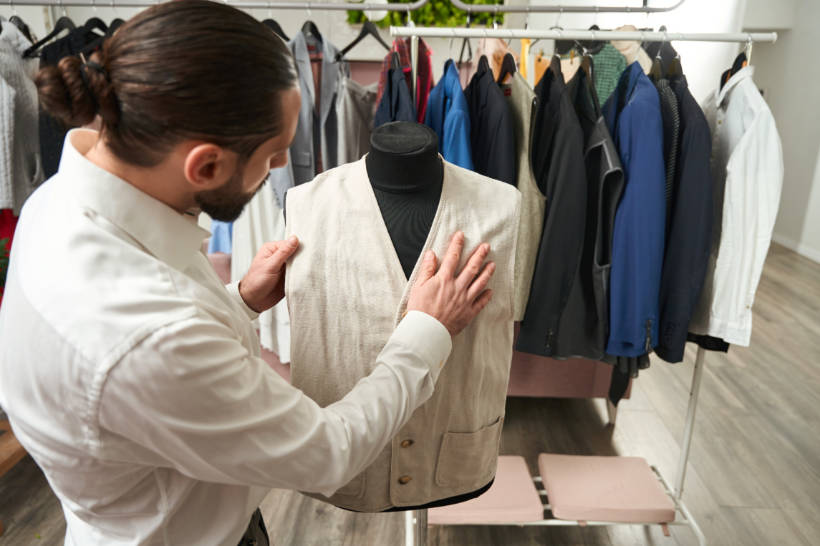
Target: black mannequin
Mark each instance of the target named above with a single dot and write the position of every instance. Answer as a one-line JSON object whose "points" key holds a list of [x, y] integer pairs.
{"points": [[406, 173]]}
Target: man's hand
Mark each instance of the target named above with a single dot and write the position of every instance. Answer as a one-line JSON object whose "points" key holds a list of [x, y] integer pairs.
{"points": [[264, 284], [453, 299]]}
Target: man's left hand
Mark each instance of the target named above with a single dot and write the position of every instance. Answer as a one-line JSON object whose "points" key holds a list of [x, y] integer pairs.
{"points": [[264, 284]]}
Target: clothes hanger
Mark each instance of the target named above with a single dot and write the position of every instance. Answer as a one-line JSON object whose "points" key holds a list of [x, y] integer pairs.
{"points": [[310, 29], [466, 43], [656, 72], [63, 23], [483, 65], [276, 27], [115, 24], [508, 68], [674, 70], [740, 62], [368, 29], [21, 26], [95, 23]]}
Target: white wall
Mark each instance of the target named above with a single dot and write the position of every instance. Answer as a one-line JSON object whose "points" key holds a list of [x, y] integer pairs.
{"points": [[790, 79]]}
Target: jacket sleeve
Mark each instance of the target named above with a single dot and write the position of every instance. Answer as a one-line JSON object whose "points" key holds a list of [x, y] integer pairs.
{"points": [[638, 240], [754, 178], [7, 97]]}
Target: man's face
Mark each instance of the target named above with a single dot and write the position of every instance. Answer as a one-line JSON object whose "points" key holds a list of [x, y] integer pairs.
{"points": [[226, 202]]}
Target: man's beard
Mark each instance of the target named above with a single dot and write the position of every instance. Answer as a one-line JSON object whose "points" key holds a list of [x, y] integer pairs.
{"points": [[226, 202]]}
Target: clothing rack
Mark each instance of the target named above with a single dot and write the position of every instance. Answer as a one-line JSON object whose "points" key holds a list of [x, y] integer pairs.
{"points": [[244, 4], [416, 521], [498, 8]]}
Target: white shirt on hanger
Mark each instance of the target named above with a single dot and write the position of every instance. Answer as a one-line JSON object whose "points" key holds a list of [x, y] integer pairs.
{"points": [[133, 377], [747, 173]]}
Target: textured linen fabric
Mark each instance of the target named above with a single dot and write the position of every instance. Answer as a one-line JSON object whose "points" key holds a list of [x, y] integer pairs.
{"points": [[521, 99], [747, 171], [133, 377], [347, 291], [356, 106]]}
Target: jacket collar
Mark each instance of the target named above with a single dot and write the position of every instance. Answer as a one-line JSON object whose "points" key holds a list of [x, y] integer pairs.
{"points": [[622, 94], [331, 72], [744, 73], [171, 237]]}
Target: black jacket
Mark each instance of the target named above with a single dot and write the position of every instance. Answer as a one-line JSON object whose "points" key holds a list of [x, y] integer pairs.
{"points": [[577, 166], [690, 229], [396, 103], [492, 135]]}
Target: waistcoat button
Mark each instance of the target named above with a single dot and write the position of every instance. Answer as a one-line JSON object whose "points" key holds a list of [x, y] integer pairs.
{"points": [[404, 480], [407, 443]]}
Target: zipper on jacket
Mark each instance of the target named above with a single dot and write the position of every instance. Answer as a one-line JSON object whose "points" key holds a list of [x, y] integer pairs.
{"points": [[648, 336]]}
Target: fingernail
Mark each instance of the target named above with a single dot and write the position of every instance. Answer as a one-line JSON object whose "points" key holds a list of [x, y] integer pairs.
{"points": [[429, 255], [492, 267], [292, 240], [485, 248]]}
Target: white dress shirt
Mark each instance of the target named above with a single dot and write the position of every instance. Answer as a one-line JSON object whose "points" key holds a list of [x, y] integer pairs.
{"points": [[133, 377], [747, 173]]}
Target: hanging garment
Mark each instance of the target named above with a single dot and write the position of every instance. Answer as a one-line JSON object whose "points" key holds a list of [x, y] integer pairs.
{"points": [[20, 162], [747, 172], [670, 116], [492, 137], [521, 100], [633, 118], [665, 50], [632, 50], [690, 226], [53, 131], [571, 320], [494, 49], [221, 237], [448, 115], [396, 103], [424, 75], [8, 222], [569, 66], [609, 65], [346, 293], [262, 222], [315, 146], [525, 55], [355, 107]]}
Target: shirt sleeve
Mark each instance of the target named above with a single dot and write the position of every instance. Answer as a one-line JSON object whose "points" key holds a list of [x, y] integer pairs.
{"points": [[233, 289], [192, 395]]}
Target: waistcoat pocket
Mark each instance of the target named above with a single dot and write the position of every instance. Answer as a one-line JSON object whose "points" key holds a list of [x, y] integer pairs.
{"points": [[469, 458]]}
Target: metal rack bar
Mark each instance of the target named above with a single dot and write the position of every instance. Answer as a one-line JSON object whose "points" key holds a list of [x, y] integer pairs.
{"points": [[512, 34], [244, 4], [694, 391], [498, 8]]}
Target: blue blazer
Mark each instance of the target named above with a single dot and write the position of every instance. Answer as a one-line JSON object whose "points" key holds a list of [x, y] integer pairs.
{"points": [[448, 116], [633, 116]]}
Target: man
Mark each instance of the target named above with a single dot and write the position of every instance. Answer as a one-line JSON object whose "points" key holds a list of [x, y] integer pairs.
{"points": [[129, 373]]}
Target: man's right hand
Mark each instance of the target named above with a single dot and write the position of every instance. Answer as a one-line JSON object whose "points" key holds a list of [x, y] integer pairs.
{"points": [[453, 298]]}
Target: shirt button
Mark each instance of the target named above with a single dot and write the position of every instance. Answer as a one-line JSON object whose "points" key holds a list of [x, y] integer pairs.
{"points": [[407, 443], [404, 480]]}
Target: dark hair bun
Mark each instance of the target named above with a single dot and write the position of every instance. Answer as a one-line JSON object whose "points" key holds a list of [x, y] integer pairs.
{"points": [[75, 92]]}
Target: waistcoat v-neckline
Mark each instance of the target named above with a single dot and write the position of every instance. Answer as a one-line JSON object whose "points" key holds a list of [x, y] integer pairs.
{"points": [[394, 267]]}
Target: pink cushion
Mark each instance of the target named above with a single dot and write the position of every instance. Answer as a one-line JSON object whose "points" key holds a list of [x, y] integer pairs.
{"points": [[619, 489], [511, 499]]}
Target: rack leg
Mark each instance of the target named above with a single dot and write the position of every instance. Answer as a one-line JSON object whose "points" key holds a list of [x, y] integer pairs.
{"points": [[690, 422], [414, 60], [415, 528]]}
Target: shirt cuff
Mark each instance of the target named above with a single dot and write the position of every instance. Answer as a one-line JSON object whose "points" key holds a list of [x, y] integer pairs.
{"points": [[425, 337], [233, 288]]}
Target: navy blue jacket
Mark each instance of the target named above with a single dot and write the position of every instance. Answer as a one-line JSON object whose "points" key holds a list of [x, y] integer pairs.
{"points": [[633, 117], [448, 115], [396, 103], [690, 226]]}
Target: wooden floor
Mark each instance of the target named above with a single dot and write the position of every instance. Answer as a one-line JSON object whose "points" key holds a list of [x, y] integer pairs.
{"points": [[754, 477]]}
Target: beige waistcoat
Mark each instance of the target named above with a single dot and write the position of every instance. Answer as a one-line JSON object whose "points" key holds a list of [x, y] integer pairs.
{"points": [[346, 292]]}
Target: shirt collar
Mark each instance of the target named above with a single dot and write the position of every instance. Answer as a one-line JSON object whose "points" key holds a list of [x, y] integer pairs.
{"points": [[168, 235], [742, 74]]}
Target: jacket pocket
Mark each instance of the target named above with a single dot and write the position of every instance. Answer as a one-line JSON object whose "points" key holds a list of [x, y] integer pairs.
{"points": [[354, 488], [468, 458]]}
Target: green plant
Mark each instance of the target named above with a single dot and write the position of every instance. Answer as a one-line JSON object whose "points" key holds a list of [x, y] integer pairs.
{"points": [[435, 13], [4, 261]]}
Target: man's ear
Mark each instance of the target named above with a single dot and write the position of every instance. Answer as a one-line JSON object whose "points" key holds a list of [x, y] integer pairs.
{"points": [[208, 166]]}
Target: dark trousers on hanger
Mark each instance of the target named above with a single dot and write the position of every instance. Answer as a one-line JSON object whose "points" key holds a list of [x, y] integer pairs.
{"points": [[256, 534]]}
